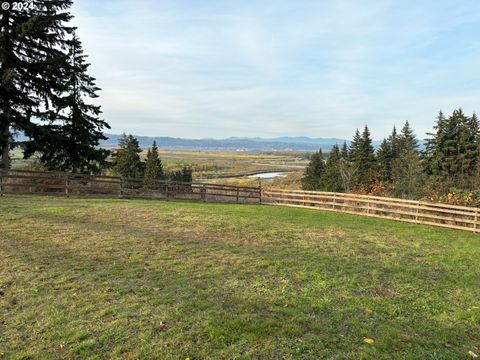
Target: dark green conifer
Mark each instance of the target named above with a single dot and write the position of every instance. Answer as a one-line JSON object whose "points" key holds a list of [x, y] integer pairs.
{"points": [[344, 151], [393, 140], [354, 151], [313, 173], [32, 70], [126, 160], [451, 154], [469, 150], [331, 179], [433, 153], [407, 140], [362, 156], [385, 161], [347, 169], [153, 164], [71, 142], [451, 151], [407, 169], [368, 152]]}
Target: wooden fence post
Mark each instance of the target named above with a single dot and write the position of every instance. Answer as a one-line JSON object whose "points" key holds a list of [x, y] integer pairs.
{"points": [[475, 223], [66, 185], [121, 186], [238, 195], [260, 191], [334, 200], [417, 212], [204, 193], [1, 182], [368, 205]]}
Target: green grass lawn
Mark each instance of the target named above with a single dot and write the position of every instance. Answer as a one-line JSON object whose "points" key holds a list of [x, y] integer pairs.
{"points": [[168, 280]]}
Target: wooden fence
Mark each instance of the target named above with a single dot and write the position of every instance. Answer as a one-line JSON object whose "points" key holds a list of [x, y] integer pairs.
{"points": [[68, 184], [419, 212]]}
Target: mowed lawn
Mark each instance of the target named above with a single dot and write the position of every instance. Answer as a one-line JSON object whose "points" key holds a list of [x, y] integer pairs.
{"points": [[114, 279]]}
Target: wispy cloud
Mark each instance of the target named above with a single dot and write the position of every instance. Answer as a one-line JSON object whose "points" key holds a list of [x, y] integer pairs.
{"points": [[224, 68]]}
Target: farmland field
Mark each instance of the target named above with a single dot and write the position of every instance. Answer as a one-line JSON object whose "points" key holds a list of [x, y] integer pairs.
{"points": [[210, 165], [223, 167], [170, 280]]}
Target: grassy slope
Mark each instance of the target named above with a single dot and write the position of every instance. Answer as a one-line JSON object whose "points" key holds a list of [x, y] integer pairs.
{"points": [[146, 279]]}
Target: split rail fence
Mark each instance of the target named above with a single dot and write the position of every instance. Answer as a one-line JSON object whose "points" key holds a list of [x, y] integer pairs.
{"points": [[419, 212], [68, 184]]}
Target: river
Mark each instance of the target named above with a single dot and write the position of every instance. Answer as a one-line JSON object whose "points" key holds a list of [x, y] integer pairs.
{"points": [[268, 176]]}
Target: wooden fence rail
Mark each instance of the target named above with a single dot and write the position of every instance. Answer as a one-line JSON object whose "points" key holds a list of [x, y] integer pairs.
{"points": [[68, 184], [419, 212]]}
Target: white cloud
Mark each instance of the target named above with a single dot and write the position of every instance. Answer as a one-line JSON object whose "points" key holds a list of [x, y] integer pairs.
{"points": [[216, 68]]}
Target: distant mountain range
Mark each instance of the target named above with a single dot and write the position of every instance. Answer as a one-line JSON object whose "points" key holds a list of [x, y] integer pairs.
{"points": [[233, 143], [298, 143]]}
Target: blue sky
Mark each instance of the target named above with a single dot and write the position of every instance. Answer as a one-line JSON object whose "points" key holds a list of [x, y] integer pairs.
{"points": [[220, 68]]}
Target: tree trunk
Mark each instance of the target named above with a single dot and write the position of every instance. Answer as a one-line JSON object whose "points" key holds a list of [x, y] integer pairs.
{"points": [[6, 106], [5, 147]]}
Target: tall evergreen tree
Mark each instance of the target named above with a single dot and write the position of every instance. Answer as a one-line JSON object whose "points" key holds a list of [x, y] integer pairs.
{"points": [[354, 151], [126, 161], [454, 147], [475, 128], [474, 150], [468, 149], [77, 130], [362, 155], [407, 169], [347, 168], [32, 69], [433, 153], [344, 151], [394, 142], [311, 179], [407, 140], [153, 164], [368, 152], [331, 178], [391, 149], [385, 160], [452, 152]]}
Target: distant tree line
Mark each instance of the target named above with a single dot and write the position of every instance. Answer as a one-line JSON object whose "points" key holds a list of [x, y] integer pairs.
{"points": [[449, 165], [128, 163]]}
